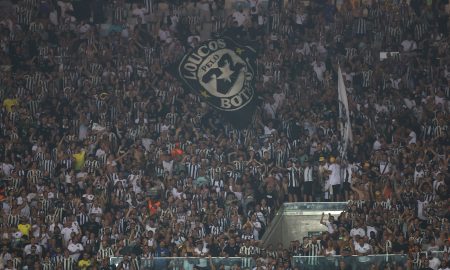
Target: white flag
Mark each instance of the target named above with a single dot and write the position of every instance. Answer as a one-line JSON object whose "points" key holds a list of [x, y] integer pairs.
{"points": [[344, 115]]}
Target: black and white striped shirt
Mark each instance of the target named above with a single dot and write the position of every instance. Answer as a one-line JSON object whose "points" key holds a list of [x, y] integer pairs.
{"points": [[104, 252], [360, 27], [215, 173], [91, 165], [314, 250], [48, 266], [119, 15], [67, 163], [68, 263], [192, 169], [367, 78], [48, 165], [247, 251], [24, 15], [13, 220], [294, 175], [34, 175]]}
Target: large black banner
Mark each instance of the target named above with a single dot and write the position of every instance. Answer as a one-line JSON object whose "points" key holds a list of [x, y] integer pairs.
{"points": [[223, 73]]}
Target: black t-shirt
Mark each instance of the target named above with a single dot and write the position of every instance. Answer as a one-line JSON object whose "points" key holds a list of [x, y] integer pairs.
{"points": [[399, 247], [220, 4], [91, 226], [214, 250], [231, 251]]}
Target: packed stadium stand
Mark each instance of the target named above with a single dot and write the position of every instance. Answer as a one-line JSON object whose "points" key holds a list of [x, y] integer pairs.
{"points": [[108, 162]]}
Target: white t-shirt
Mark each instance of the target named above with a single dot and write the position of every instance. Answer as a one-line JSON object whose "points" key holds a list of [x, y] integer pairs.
{"points": [[376, 145], [335, 176], [164, 35], [140, 12], [365, 249], [271, 109], [269, 131], [279, 98], [52, 226], [371, 229], [100, 152], [7, 168], [413, 137], [434, 263], [418, 175], [357, 231], [256, 228], [409, 45], [319, 69], [330, 227], [300, 18], [168, 166], [66, 232], [239, 17], [76, 249], [201, 251], [65, 6], [89, 197], [420, 206], [253, 3], [385, 167], [84, 28], [27, 249]]}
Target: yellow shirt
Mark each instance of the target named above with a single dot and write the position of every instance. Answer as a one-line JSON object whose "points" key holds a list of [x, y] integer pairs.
{"points": [[79, 159], [24, 229], [83, 264], [9, 102]]}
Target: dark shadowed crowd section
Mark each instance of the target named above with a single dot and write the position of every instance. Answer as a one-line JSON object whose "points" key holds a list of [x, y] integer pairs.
{"points": [[103, 153]]}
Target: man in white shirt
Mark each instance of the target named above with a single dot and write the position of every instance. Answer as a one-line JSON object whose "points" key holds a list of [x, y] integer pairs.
{"points": [[240, 17], [270, 107], [412, 137], [319, 69], [308, 182], [409, 44], [65, 6], [167, 164], [67, 231], [434, 263], [6, 167], [140, 11], [256, 227], [97, 212], [164, 34], [357, 231], [335, 179], [32, 246], [331, 226], [75, 250], [279, 97], [362, 248]]}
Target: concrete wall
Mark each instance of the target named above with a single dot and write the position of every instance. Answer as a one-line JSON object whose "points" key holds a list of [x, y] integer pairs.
{"points": [[291, 226]]}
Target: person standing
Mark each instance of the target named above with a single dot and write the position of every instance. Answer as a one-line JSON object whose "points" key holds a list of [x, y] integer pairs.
{"points": [[308, 182]]}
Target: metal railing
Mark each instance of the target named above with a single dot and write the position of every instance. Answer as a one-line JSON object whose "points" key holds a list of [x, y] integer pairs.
{"points": [[350, 262], [188, 263], [302, 262]]}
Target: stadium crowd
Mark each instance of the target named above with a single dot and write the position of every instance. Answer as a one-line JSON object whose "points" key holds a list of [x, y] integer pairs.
{"points": [[103, 153]]}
